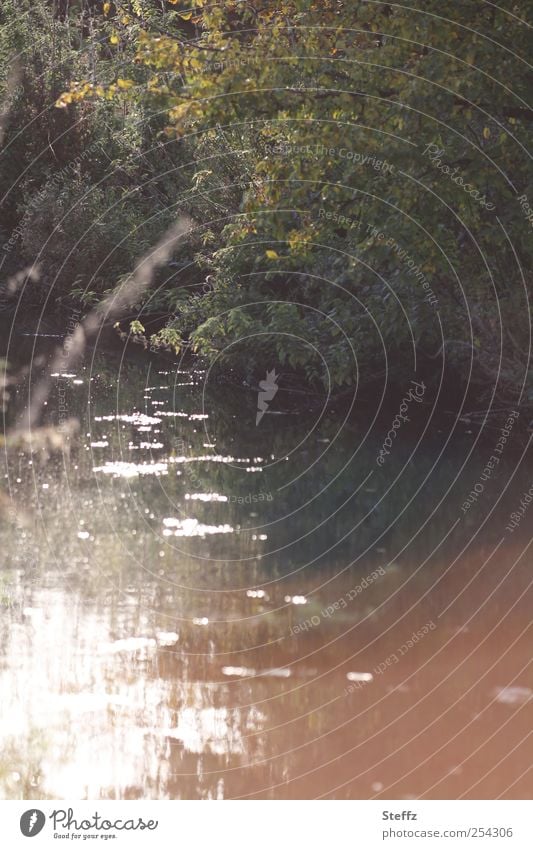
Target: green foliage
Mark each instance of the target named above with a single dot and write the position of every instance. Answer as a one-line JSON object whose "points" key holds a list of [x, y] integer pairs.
{"points": [[168, 339], [328, 115], [322, 148], [81, 188], [136, 328]]}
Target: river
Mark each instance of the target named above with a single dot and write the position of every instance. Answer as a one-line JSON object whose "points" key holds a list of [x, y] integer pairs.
{"points": [[194, 606]]}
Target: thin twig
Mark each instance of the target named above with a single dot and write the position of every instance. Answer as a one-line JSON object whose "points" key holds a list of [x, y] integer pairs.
{"points": [[123, 298]]}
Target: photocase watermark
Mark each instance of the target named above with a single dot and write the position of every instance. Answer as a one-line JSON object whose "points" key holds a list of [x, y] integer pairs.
{"points": [[517, 515], [33, 821], [341, 220], [526, 208], [404, 256], [491, 464], [62, 409], [251, 498], [341, 603], [360, 679], [53, 182], [226, 64], [188, 470], [268, 389], [434, 153], [415, 394], [366, 159]]}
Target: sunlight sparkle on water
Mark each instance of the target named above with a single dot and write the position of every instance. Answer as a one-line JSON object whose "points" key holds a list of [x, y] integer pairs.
{"points": [[205, 496], [121, 469], [360, 676], [192, 528], [135, 419], [207, 458]]}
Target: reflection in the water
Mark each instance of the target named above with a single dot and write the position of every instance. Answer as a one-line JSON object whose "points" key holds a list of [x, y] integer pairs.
{"points": [[169, 631]]}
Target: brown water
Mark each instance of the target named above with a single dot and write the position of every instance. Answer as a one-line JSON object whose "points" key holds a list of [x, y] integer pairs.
{"points": [[196, 607]]}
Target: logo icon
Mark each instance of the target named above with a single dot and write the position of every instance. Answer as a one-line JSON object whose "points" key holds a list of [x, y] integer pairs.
{"points": [[268, 388], [32, 822]]}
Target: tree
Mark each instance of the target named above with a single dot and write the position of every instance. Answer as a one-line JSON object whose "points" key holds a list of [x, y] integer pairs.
{"points": [[356, 172]]}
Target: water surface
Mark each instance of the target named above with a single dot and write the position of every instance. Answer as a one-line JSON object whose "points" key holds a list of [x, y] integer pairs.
{"points": [[195, 607]]}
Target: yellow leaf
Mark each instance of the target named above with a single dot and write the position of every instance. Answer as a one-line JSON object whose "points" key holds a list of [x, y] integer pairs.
{"points": [[178, 112], [185, 16], [114, 38], [271, 254], [107, 8], [486, 133], [124, 83], [62, 101]]}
